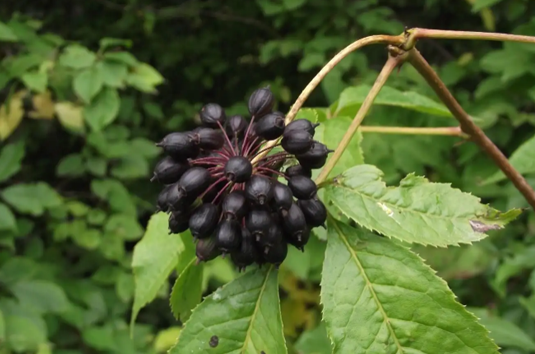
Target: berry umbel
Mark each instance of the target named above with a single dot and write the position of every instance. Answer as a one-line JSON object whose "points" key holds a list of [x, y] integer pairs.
{"points": [[231, 205]]}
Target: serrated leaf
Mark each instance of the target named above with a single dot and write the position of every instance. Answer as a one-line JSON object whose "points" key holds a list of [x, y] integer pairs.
{"points": [[35, 80], [505, 332], [352, 97], [40, 295], [187, 291], [88, 83], [244, 316], [11, 157], [417, 211], [103, 109], [523, 160], [379, 297], [77, 57], [7, 219], [151, 272]]}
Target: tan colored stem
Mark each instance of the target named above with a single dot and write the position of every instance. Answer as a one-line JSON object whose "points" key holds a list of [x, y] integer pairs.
{"points": [[417, 33], [377, 39], [469, 127], [389, 66], [447, 131]]}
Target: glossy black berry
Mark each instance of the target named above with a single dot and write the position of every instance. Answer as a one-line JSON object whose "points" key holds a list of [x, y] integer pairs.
{"points": [[258, 189], [315, 157], [299, 238], [302, 124], [270, 126], [236, 126], [177, 224], [258, 221], [228, 235], [282, 196], [168, 170], [203, 220], [298, 170], [206, 249], [207, 138], [177, 199], [247, 254], [238, 169], [163, 198], [277, 253], [314, 211], [296, 141], [212, 114], [234, 205], [293, 220], [273, 236], [179, 145], [261, 102], [302, 187], [194, 181]]}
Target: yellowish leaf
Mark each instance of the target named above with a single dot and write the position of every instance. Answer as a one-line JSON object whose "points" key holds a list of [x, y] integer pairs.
{"points": [[10, 117], [43, 106], [70, 116]]}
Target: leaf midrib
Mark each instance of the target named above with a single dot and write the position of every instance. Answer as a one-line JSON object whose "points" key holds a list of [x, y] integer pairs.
{"points": [[369, 285], [253, 316]]}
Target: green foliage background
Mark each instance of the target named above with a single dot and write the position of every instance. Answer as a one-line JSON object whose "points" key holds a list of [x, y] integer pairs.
{"points": [[86, 88]]}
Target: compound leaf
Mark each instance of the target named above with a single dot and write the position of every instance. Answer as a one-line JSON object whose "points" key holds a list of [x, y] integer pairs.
{"points": [[417, 211], [241, 317], [379, 297]]}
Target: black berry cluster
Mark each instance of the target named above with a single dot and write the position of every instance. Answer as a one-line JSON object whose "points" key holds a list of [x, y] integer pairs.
{"points": [[232, 205]]}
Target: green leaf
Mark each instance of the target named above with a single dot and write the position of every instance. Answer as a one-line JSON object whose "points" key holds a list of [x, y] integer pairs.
{"points": [[70, 116], [131, 167], [122, 57], [378, 297], [244, 315], [187, 291], [315, 341], [144, 78], [23, 333], [352, 97], [77, 57], [89, 239], [17, 269], [40, 295], [330, 133], [96, 165], [113, 74], [124, 226], [103, 109], [481, 4], [7, 34], [2, 327], [107, 42], [88, 83], [31, 198], [11, 157], [505, 332], [144, 147], [293, 4], [151, 272], [7, 219], [523, 160], [71, 165], [417, 211], [35, 80]]}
